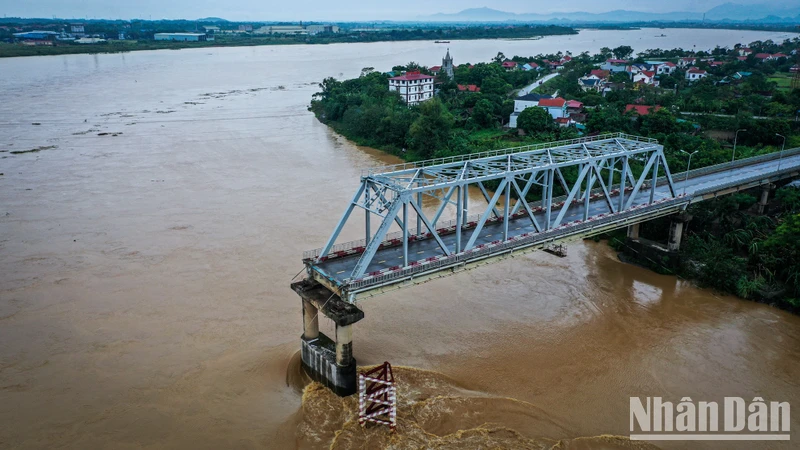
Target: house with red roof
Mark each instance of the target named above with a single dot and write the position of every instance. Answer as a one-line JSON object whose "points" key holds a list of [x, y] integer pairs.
{"points": [[742, 58], [647, 77], [468, 88], [564, 121], [509, 65], [744, 51], [763, 56], [574, 105], [414, 87], [600, 74], [667, 68], [779, 55], [641, 110], [695, 74], [556, 107], [436, 69]]}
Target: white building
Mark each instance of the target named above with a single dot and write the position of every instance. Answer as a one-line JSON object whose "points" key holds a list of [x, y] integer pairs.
{"points": [[695, 74], [667, 68], [556, 107], [414, 87], [194, 37], [281, 29], [316, 29]]}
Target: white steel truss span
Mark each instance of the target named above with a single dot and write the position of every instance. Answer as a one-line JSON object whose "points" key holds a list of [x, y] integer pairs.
{"points": [[615, 167]]}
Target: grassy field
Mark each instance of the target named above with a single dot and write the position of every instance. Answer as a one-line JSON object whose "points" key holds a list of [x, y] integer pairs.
{"points": [[783, 80]]}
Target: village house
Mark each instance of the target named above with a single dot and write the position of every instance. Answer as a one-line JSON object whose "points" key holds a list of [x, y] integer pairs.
{"points": [[614, 65], [744, 51], [695, 74], [641, 110], [509, 65], [590, 83], [556, 107], [564, 122], [763, 57], [522, 102], [667, 68], [686, 62], [574, 106], [645, 77], [530, 66], [414, 87], [468, 88]]}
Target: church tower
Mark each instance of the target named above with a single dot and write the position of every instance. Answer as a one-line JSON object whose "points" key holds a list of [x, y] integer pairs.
{"points": [[447, 65]]}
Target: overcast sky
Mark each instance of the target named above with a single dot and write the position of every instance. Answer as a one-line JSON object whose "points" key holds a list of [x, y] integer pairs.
{"points": [[341, 10]]}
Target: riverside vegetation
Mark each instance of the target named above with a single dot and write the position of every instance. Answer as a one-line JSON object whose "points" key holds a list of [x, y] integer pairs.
{"points": [[140, 34], [728, 247]]}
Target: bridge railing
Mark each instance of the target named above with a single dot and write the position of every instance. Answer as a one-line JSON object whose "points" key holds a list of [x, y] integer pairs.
{"points": [[505, 151], [679, 176], [515, 242], [743, 181]]}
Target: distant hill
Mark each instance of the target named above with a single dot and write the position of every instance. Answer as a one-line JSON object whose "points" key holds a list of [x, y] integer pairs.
{"points": [[212, 20], [726, 12]]}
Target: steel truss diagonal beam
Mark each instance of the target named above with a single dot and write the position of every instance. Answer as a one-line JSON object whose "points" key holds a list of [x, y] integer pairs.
{"points": [[611, 170]]}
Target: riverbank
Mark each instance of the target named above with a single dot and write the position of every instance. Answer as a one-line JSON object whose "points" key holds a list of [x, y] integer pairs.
{"points": [[248, 40]]}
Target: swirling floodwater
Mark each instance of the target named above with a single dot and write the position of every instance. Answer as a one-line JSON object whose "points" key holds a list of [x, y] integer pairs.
{"points": [[154, 207]]}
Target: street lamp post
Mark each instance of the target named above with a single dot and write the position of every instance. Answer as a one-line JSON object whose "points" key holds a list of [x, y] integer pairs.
{"points": [[780, 157], [736, 138], [688, 166]]}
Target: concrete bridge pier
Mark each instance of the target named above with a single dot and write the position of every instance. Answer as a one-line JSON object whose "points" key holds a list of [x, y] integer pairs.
{"points": [[328, 361], [633, 232], [762, 203], [676, 231]]}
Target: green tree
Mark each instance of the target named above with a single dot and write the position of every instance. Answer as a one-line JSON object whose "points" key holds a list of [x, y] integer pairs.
{"points": [[535, 120], [431, 130], [483, 113], [623, 51]]}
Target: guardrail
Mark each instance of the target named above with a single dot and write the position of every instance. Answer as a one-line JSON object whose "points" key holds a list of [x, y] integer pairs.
{"points": [[747, 180], [506, 151], [516, 242], [694, 173]]}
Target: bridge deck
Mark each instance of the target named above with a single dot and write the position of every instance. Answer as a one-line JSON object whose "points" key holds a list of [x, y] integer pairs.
{"points": [[339, 269]]}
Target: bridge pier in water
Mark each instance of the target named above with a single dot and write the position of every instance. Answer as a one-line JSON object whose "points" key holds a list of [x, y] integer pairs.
{"points": [[328, 361]]}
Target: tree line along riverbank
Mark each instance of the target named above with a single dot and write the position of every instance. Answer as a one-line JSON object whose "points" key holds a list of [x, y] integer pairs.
{"points": [[146, 42], [729, 246]]}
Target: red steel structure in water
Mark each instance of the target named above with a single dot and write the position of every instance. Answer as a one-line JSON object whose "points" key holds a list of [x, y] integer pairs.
{"points": [[377, 397]]}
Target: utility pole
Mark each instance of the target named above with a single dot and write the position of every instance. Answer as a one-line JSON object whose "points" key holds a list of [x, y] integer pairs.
{"points": [[780, 156], [688, 166]]}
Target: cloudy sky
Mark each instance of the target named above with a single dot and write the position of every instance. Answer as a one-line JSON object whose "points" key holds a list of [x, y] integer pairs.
{"points": [[243, 10]]}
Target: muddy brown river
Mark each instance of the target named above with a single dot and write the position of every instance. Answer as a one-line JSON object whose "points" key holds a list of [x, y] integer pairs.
{"points": [[154, 207]]}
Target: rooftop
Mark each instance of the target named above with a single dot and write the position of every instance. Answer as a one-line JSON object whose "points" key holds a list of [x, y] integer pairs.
{"points": [[642, 110], [409, 76], [533, 97], [552, 102]]}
